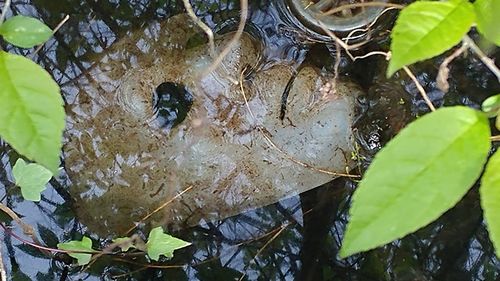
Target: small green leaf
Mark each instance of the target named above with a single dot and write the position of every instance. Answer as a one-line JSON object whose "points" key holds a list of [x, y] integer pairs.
{"points": [[125, 243], [490, 199], [160, 243], [85, 246], [31, 110], [25, 32], [491, 105], [487, 12], [425, 29], [31, 178], [416, 177]]}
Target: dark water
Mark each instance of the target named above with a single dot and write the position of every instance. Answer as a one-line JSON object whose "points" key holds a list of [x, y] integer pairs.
{"points": [[295, 239]]}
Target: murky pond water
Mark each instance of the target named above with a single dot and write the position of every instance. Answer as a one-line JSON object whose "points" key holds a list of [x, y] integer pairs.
{"points": [[105, 46]]}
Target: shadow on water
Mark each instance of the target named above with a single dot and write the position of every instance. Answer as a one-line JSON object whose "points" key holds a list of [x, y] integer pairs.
{"points": [[295, 239]]}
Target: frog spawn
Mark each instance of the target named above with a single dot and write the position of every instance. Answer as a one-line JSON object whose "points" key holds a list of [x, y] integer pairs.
{"points": [[232, 154]]}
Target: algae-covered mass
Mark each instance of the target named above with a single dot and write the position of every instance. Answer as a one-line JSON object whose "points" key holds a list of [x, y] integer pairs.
{"points": [[127, 152]]}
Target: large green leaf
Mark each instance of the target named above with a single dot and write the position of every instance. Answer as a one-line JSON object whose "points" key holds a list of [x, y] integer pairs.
{"points": [[490, 199], [417, 176], [488, 21], [84, 246], [31, 178], [160, 243], [25, 32], [426, 29], [31, 110]]}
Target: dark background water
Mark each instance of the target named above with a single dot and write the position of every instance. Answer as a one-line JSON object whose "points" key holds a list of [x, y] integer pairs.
{"points": [[295, 239]]}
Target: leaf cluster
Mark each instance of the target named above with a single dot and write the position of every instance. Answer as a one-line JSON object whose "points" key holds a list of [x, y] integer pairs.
{"points": [[159, 243], [31, 110], [426, 169]]}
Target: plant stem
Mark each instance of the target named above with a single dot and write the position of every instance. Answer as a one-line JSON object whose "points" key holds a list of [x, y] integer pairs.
{"points": [[357, 5], [202, 25], [421, 89], [486, 60], [237, 35], [63, 21]]}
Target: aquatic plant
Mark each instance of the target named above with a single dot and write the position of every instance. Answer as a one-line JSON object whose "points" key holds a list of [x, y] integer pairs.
{"points": [[31, 110]]}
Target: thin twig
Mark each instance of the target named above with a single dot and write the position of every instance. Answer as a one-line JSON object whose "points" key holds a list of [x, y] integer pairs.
{"points": [[27, 229], [271, 143], [208, 31], [61, 23], [358, 5], [370, 54], [283, 227], [6, 6], [336, 67], [342, 44], [421, 89], [241, 27], [159, 209], [495, 138], [486, 60], [40, 247], [351, 34], [444, 71], [133, 240]]}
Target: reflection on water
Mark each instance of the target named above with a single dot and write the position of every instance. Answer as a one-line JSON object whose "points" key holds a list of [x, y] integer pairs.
{"points": [[295, 239]]}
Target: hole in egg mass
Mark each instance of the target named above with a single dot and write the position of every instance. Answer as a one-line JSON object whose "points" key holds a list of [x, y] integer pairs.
{"points": [[171, 104]]}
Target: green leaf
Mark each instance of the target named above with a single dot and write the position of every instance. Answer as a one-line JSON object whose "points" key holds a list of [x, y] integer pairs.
{"points": [[85, 246], [425, 29], [31, 110], [490, 199], [31, 178], [125, 243], [160, 243], [25, 32], [416, 177], [487, 12], [491, 105]]}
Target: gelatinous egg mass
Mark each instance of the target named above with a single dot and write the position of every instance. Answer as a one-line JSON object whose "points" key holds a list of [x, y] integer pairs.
{"points": [[221, 143]]}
